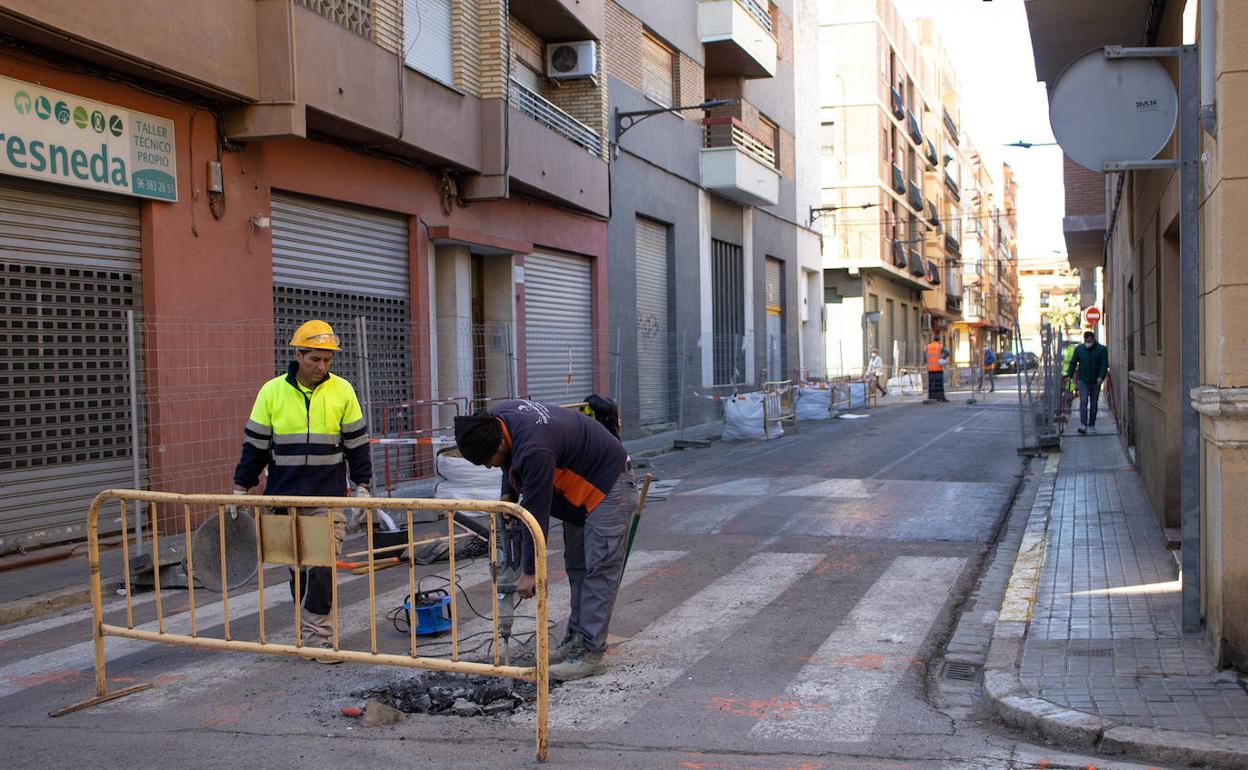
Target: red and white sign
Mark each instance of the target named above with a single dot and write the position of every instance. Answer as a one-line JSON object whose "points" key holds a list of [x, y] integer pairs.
{"points": [[1092, 315]]}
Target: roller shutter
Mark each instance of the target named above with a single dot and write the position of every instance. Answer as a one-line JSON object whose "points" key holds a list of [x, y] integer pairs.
{"points": [[558, 318], [69, 272], [338, 263], [427, 38], [653, 328]]}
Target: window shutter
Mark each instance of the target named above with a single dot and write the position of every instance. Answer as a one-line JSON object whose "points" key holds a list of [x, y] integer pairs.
{"points": [[656, 71], [427, 38]]}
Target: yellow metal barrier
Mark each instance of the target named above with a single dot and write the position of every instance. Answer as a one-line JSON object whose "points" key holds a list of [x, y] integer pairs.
{"points": [[779, 404], [308, 541]]}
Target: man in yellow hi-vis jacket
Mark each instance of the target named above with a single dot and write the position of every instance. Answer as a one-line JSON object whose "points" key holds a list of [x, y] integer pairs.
{"points": [[307, 429]]}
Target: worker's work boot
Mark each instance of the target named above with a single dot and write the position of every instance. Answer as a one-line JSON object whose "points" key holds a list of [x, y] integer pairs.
{"points": [[572, 644], [579, 666]]}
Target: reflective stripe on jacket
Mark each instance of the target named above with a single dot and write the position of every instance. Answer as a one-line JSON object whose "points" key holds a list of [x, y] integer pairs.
{"points": [[306, 438], [933, 357]]}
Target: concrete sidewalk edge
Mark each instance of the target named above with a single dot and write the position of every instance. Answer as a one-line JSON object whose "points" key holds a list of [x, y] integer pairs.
{"points": [[1008, 699], [52, 601]]}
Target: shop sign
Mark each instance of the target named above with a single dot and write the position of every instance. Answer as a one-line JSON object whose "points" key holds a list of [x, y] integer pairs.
{"points": [[63, 138]]}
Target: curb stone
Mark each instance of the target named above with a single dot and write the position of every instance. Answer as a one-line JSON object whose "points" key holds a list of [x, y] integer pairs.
{"points": [[53, 601], [1006, 698]]}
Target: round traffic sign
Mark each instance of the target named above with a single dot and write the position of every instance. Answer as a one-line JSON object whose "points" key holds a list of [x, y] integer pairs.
{"points": [[1112, 109], [1092, 315]]}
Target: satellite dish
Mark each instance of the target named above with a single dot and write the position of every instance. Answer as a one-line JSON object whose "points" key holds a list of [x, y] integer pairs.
{"points": [[1112, 109]]}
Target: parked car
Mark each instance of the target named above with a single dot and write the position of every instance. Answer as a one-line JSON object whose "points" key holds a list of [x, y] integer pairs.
{"points": [[1007, 363], [1030, 361]]}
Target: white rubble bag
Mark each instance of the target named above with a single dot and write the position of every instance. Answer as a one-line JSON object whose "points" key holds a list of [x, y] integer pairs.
{"points": [[459, 479], [814, 403], [909, 384], [743, 419]]}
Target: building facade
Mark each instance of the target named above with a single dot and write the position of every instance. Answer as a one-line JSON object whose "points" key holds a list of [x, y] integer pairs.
{"points": [[405, 170], [714, 277], [1137, 219], [1049, 294]]}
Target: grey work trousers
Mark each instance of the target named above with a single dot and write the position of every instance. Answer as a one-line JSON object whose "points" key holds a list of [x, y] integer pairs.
{"points": [[1089, 395], [593, 555]]}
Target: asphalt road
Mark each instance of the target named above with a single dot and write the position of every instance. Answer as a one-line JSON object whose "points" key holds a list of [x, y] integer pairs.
{"points": [[785, 608]]}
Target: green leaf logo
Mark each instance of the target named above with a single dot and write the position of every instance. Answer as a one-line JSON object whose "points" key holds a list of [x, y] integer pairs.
{"points": [[80, 117], [43, 108]]}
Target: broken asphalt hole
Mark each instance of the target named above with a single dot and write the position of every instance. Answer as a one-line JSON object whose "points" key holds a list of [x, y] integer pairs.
{"points": [[454, 695]]}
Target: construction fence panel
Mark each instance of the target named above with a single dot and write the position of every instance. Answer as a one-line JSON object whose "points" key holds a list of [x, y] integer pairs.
{"points": [[299, 532]]}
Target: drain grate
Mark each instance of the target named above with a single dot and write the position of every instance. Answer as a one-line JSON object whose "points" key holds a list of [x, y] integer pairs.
{"points": [[961, 672], [1091, 652]]}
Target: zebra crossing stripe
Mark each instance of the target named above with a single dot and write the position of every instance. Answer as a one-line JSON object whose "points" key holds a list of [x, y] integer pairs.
{"points": [[656, 657], [845, 687]]}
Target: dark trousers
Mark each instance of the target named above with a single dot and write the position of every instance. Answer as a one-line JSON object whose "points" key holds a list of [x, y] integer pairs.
{"points": [[1089, 395], [593, 556], [936, 386]]}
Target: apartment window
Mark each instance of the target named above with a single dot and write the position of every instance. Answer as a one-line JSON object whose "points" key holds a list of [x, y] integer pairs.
{"points": [[1044, 299], [657, 66], [772, 132], [827, 139], [1139, 304], [427, 38], [526, 76]]}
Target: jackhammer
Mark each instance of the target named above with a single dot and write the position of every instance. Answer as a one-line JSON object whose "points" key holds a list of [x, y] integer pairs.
{"points": [[508, 567]]}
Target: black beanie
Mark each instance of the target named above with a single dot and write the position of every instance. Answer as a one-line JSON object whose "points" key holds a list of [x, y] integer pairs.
{"points": [[478, 436]]}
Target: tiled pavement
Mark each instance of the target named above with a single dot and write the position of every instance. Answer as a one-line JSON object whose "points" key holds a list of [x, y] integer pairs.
{"points": [[1105, 636]]}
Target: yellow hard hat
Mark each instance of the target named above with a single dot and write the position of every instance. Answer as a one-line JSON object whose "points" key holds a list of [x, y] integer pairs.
{"points": [[315, 334]]}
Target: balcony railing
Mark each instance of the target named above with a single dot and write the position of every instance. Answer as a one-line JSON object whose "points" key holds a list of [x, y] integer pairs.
{"points": [[550, 115], [915, 197], [916, 265], [899, 107], [953, 301], [951, 244], [899, 180], [912, 128], [759, 12], [953, 127], [933, 273], [899, 254], [952, 185], [731, 132]]}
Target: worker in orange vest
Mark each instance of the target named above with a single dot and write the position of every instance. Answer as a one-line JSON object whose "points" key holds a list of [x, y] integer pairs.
{"points": [[937, 356]]}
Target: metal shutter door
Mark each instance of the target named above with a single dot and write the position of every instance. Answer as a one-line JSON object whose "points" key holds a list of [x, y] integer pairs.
{"points": [[427, 38], [338, 263], [558, 319], [69, 271], [653, 343]]}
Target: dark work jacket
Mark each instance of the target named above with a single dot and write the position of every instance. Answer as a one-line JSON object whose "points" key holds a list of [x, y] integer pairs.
{"points": [[562, 462], [1092, 363]]}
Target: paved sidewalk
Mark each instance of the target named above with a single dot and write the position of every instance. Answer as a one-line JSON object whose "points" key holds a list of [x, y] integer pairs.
{"points": [[1089, 645]]}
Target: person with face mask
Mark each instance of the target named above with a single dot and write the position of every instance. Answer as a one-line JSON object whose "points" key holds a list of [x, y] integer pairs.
{"points": [[1091, 361]]}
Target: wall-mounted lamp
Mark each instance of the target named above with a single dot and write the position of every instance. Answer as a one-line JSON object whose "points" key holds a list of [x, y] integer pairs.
{"points": [[260, 222]]}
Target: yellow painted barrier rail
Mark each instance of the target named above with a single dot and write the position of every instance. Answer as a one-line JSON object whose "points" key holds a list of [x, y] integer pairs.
{"points": [[299, 532]]}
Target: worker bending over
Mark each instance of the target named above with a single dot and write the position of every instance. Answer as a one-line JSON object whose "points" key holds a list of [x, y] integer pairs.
{"points": [[307, 429], [564, 464]]}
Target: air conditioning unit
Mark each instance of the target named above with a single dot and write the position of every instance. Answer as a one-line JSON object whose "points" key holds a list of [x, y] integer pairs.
{"points": [[567, 61]]}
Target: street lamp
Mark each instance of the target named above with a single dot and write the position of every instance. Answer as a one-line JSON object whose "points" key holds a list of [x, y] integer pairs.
{"points": [[818, 211], [626, 120], [1028, 145]]}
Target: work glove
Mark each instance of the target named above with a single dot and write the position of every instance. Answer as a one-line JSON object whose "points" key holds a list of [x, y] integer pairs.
{"points": [[358, 515], [361, 491], [232, 509]]}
